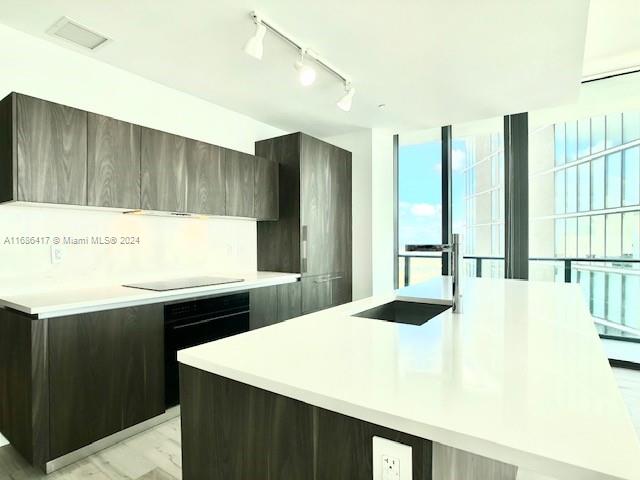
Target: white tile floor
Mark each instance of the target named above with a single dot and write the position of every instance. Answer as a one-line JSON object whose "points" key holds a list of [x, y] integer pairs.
{"points": [[155, 454]]}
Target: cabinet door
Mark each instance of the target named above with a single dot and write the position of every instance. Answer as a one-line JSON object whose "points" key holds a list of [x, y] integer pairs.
{"points": [[205, 179], [164, 171], [113, 162], [266, 189], [105, 374], [340, 207], [315, 211], [240, 180], [316, 293], [289, 301], [52, 152], [263, 307]]}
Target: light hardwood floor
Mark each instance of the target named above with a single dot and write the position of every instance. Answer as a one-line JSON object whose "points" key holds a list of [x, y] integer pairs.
{"points": [[155, 454]]}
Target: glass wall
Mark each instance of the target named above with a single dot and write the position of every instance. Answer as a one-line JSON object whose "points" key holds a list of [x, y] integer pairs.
{"points": [[478, 195], [584, 199], [419, 204]]}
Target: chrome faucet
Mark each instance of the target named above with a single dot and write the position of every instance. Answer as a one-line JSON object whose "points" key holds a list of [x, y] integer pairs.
{"points": [[454, 265]]}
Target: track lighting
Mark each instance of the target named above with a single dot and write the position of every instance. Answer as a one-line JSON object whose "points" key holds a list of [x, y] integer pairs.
{"points": [[254, 46], [345, 102], [306, 73]]}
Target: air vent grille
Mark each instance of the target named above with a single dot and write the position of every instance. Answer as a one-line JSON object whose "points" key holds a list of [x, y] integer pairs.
{"points": [[77, 34]]}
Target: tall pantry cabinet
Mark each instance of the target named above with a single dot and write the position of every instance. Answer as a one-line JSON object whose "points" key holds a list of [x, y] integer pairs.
{"points": [[313, 233]]}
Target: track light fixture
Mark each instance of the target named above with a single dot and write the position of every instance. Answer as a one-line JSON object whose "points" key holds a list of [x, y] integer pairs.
{"points": [[345, 102], [306, 73], [255, 45]]}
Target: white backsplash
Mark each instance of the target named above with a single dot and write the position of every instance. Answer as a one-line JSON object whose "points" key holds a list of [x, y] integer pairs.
{"points": [[169, 247]]}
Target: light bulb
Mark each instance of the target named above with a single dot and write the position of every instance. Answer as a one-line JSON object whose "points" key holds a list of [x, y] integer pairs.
{"points": [[306, 74]]}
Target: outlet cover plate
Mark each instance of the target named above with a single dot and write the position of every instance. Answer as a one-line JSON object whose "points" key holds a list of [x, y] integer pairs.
{"points": [[384, 449]]}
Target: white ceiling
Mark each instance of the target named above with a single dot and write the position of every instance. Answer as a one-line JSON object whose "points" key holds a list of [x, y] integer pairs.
{"points": [[432, 62], [613, 36]]}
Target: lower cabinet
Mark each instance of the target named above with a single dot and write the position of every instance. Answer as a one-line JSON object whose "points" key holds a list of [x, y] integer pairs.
{"points": [[325, 291], [105, 374], [274, 304], [289, 301]]}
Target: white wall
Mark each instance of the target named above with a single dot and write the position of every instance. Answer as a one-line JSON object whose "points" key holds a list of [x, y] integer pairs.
{"points": [[382, 231], [359, 144], [372, 175], [35, 67]]}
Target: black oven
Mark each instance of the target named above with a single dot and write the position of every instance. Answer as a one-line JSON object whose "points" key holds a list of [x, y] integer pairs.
{"points": [[191, 323]]}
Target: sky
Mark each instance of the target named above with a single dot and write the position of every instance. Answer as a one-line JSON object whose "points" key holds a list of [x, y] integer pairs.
{"points": [[420, 192]]}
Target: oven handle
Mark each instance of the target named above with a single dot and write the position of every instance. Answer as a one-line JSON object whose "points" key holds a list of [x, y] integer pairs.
{"points": [[207, 320]]}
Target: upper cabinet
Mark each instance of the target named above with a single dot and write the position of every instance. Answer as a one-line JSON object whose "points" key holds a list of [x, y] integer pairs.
{"points": [[240, 183], [205, 178], [51, 152], [266, 198], [113, 163], [164, 171]]}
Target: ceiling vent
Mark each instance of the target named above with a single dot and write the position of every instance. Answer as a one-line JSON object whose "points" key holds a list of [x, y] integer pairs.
{"points": [[77, 34]]}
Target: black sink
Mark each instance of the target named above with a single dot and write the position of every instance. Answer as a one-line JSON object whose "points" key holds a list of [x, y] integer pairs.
{"points": [[399, 311]]}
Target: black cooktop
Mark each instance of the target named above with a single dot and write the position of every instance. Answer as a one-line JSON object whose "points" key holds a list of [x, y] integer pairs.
{"points": [[179, 283]]}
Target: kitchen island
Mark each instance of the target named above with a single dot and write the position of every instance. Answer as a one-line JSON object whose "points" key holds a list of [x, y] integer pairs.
{"points": [[517, 381]]}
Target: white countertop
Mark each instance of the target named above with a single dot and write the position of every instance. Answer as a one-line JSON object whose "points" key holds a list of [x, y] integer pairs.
{"points": [[71, 301], [520, 376]]}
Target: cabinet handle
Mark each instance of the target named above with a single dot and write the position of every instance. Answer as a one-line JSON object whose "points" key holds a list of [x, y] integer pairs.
{"points": [[305, 235], [328, 279]]}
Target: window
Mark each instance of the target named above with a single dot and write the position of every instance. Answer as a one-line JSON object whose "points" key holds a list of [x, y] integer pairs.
{"points": [[597, 236], [477, 152], [559, 143], [419, 204], [631, 235], [614, 130], [597, 184], [613, 246], [584, 138], [571, 190], [584, 187], [560, 198], [614, 180], [584, 234], [630, 126], [597, 134], [572, 141], [631, 177]]}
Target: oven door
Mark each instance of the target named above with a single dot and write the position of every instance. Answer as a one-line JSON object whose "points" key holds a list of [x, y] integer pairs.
{"points": [[189, 332]]}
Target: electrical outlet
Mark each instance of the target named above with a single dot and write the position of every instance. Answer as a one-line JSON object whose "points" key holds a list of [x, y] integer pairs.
{"points": [[390, 468], [56, 254], [391, 460]]}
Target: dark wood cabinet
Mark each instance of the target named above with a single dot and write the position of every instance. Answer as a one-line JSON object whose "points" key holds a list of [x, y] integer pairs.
{"points": [[164, 171], [263, 305], [240, 183], [324, 291], [237, 431], [313, 233], [113, 162], [51, 152], [270, 305], [205, 178], [105, 374], [266, 189], [289, 300]]}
